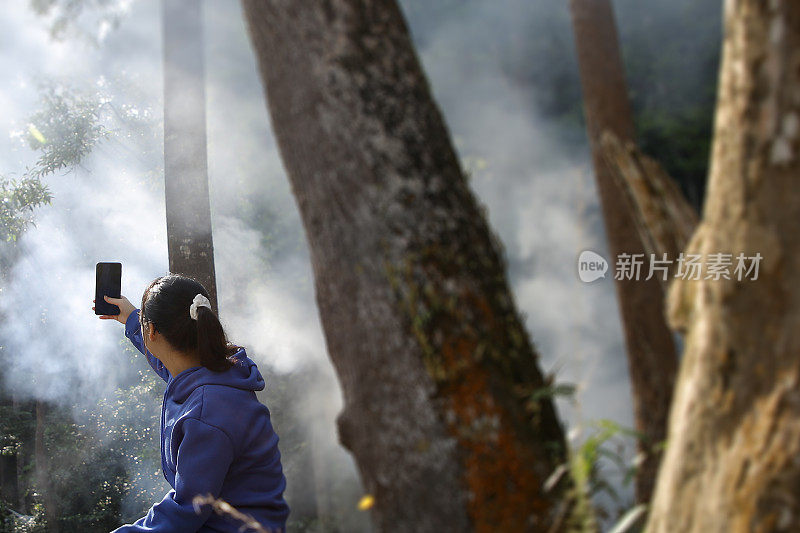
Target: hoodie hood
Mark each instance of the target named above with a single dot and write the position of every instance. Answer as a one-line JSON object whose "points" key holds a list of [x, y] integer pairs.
{"points": [[244, 374]]}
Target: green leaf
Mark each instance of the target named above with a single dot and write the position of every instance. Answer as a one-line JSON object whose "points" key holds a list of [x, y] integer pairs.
{"points": [[629, 519]]}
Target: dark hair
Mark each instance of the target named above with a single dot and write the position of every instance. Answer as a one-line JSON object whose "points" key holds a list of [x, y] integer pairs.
{"points": [[165, 304]]}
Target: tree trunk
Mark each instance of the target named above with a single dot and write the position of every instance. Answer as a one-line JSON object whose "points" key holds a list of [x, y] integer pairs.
{"points": [[734, 435], [9, 483], [436, 367], [43, 468], [9, 468], [191, 249], [652, 360], [663, 217]]}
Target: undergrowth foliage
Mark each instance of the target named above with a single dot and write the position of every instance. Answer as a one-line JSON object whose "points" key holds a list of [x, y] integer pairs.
{"points": [[594, 499]]}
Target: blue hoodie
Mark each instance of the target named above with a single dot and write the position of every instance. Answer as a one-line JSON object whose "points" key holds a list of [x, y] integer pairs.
{"points": [[216, 438]]}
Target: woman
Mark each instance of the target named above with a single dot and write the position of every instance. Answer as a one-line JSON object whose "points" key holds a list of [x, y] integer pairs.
{"points": [[216, 437]]}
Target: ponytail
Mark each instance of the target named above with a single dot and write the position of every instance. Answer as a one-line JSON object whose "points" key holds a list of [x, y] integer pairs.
{"points": [[213, 348], [166, 303]]}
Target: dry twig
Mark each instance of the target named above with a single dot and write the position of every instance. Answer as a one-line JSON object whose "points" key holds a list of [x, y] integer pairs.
{"points": [[222, 507]]}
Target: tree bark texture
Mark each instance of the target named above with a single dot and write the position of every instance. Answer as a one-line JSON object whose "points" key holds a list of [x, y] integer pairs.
{"points": [[652, 360], [436, 367], [731, 462], [664, 219], [191, 248]]}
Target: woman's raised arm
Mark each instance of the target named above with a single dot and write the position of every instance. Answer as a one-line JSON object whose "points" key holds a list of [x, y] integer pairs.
{"points": [[133, 331]]}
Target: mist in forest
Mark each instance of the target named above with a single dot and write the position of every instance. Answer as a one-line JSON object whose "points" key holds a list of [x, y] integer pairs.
{"points": [[538, 191], [111, 208]]}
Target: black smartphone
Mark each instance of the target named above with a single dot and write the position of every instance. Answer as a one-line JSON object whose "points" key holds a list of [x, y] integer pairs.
{"points": [[108, 282]]}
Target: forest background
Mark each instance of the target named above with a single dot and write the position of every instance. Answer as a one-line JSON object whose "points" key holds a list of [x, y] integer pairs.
{"points": [[504, 74]]}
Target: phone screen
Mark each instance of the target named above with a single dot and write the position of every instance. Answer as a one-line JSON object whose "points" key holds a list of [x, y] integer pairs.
{"points": [[109, 282]]}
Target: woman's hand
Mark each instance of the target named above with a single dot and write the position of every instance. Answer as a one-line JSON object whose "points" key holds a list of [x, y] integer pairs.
{"points": [[125, 308]]}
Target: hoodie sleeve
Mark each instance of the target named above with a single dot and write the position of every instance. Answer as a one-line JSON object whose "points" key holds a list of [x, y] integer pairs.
{"points": [[204, 455], [133, 330]]}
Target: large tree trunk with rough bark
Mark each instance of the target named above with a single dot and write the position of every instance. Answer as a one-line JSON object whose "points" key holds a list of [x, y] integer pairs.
{"points": [[439, 377], [652, 360], [191, 248], [734, 435]]}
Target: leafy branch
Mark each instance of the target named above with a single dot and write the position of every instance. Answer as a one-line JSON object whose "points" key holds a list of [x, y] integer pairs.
{"points": [[17, 202]]}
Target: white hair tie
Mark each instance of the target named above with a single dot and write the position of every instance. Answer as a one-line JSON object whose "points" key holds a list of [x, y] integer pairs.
{"points": [[199, 301]]}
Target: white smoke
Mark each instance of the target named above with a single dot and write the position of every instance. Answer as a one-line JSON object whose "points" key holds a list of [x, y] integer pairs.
{"points": [[541, 200]]}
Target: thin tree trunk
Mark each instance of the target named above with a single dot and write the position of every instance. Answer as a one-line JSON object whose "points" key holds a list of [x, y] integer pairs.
{"points": [[9, 482], [191, 249], [321, 486], [436, 367], [652, 360], [320, 464], [734, 435], [43, 468], [9, 475]]}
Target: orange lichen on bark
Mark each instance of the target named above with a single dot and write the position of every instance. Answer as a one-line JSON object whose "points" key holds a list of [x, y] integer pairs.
{"points": [[475, 348], [504, 491]]}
